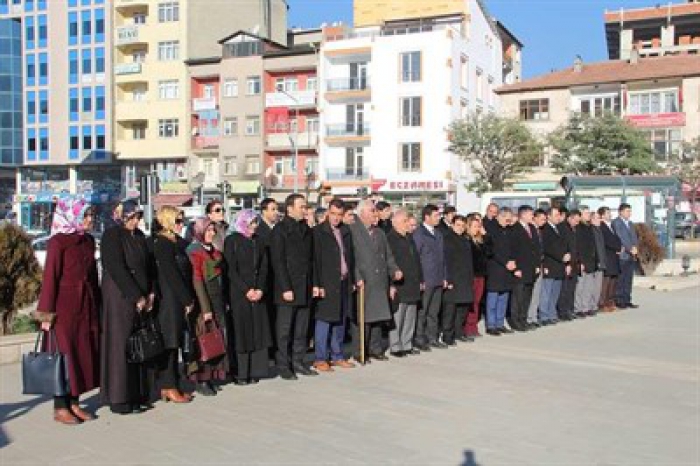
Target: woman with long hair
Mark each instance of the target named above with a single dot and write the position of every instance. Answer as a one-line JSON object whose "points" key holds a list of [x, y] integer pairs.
{"points": [[69, 304], [207, 271], [479, 245]]}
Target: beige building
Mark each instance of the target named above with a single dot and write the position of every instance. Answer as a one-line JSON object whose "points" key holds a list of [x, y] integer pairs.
{"points": [[153, 101]]}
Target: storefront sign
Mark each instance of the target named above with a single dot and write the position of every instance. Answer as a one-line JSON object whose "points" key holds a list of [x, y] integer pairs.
{"points": [[403, 185], [657, 120]]}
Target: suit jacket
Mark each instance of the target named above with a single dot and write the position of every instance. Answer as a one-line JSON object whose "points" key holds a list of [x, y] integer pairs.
{"points": [[627, 235], [431, 248], [264, 235], [526, 252], [586, 248], [375, 265], [458, 256], [291, 247], [327, 270], [408, 260], [554, 248], [569, 235], [499, 278], [613, 245]]}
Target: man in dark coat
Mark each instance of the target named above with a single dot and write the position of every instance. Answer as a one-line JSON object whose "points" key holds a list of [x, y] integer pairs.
{"points": [[334, 263], [430, 245], [613, 249], [269, 216], [375, 268], [499, 281], [539, 220], [554, 263], [525, 251], [624, 229], [385, 216], [490, 222], [569, 227], [460, 285], [291, 247], [588, 267], [408, 290], [448, 215]]}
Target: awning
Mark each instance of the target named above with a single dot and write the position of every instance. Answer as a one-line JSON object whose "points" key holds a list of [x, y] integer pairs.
{"points": [[177, 200], [244, 187]]}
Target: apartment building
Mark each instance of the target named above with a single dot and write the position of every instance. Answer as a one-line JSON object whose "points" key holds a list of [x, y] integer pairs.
{"points": [[659, 95], [155, 130], [390, 92], [57, 69]]}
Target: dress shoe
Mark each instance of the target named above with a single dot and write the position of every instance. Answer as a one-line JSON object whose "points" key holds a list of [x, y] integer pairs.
{"points": [[465, 339], [493, 332], [533, 325], [424, 348], [397, 354], [343, 364], [505, 330], [622, 306], [121, 408], [413, 352], [241, 382], [81, 414], [379, 357], [438, 345], [205, 389], [172, 395], [632, 306], [450, 343], [565, 318], [303, 370], [64, 416], [322, 366], [287, 374], [253, 381]]}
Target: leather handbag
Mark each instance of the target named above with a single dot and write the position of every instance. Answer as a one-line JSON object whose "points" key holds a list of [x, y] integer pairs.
{"points": [[145, 342], [45, 372], [211, 343]]}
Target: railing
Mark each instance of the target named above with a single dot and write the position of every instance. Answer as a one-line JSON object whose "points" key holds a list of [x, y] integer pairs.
{"points": [[344, 130], [121, 69], [347, 84], [204, 103], [291, 99], [127, 35], [205, 142], [347, 173]]}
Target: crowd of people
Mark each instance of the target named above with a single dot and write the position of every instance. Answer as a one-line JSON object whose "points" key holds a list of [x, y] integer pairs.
{"points": [[277, 286]]}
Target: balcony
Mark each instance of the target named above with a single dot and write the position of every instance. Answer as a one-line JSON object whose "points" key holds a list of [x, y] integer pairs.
{"points": [[128, 4], [128, 35], [347, 135], [122, 69], [348, 89], [131, 110], [347, 174], [205, 142], [284, 142], [295, 99], [204, 103]]}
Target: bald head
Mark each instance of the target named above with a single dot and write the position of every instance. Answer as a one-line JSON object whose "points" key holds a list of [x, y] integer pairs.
{"points": [[400, 222]]}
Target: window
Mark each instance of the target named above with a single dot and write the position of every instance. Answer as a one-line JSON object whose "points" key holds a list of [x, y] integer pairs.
{"points": [[169, 128], [43, 106], [74, 104], [169, 50], [31, 144], [43, 144], [168, 90], [354, 161], [31, 70], [43, 30], [100, 102], [73, 67], [87, 61], [464, 72], [286, 84], [87, 137], [479, 84], [537, 109], [665, 142], [231, 88], [139, 18], [208, 167], [278, 166], [597, 106], [311, 84], [208, 91], [43, 69], [312, 125], [252, 165], [138, 132], [410, 157], [100, 139], [254, 86], [411, 111], [138, 56], [86, 20], [139, 94], [230, 166], [230, 126], [168, 12], [87, 100], [100, 60], [644, 103], [29, 32], [72, 28], [410, 67], [252, 125], [31, 107], [74, 142], [99, 25]]}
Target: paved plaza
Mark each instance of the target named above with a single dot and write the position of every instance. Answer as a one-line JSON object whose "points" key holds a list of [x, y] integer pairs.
{"points": [[619, 389]]}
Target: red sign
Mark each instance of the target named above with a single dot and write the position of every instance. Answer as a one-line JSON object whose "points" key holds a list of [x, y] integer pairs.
{"points": [[657, 120], [277, 120], [415, 185]]}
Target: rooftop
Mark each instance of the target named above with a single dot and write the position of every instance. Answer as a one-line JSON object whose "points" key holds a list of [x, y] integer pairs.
{"points": [[657, 12], [616, 71]]}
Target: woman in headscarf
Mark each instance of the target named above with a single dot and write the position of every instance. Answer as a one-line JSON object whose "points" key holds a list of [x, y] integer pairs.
{"points": [[69, 304], [246, 277], [175, 297], [207, 269], [126, 293]]}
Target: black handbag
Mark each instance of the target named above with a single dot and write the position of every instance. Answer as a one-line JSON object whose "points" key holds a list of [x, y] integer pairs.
{"points": [[189, 347], [145, 342], [45, 372]]}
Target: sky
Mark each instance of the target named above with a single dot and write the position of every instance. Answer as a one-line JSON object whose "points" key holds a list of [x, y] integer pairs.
{"points": [[552, 31]]}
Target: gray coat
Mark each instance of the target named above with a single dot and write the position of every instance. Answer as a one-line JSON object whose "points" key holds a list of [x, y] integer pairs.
{"points": [[375, 265], [627, 235]]}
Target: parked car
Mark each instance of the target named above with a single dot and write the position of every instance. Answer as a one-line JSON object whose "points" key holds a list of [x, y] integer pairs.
{"points": [[687, 225], [40, 244]]}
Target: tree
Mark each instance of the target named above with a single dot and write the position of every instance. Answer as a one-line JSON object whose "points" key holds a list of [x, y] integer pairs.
{"points": [[20, 274], [685, 164], [497, 148], [606, 145]]}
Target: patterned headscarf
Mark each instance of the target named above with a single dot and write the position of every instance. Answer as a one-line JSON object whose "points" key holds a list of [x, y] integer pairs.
{"points": [[241, 222], [199, 227], [68, 216]]}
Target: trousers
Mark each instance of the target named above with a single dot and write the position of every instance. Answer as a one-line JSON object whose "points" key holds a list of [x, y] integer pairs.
{"points": [[471, 327], [453, 318], [549, 295], [588, 292], [496, 306], [429, 316], [401, 336], [291, 330], [624, 282], [532, 311], [520, 304]]}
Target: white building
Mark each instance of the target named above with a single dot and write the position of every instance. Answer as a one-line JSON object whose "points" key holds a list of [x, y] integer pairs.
{"points": [[389, 94]]}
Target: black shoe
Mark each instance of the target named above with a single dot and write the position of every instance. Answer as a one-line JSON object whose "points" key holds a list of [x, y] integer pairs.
{"points": [[205, 389], [398, 354], [632, 305], [439, 345], [465, 339], [412, 352], [533, 326], [241, 382], [379, 357], [303, 370], [254, 381], [450, 343], [121, 408], [287, 374], [493, 332], [424, 348], [505, 330], [565, 318], [622, 306]]}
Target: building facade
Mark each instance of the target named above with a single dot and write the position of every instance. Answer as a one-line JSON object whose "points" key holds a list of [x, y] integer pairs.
{"points": [[66, 93]]}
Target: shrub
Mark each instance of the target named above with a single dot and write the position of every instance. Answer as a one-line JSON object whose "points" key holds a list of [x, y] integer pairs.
{"points": [[651, 253]]}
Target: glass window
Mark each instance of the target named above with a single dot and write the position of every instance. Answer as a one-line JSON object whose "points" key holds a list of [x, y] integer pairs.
{"points": [[169, 128], [231, 88], [230, 126], [99, 60], [31, 70], [168, 12], [30, 32], [73, 66], [31, 144], [87, 61], [43, 106], [644, 103], [43, 30], [230, 166], [87, 137], [44, 144], [31, 107], [100, 139], [87, 99], [43, 69], [252, 125], [100, 102], [411, 111], [139, 18], [138, 131], [169, 89], [252, 165], [537, 109], [410, 157], [74, 143], [72, 28], [99, 25], [169, 50], [410, 67], [312, 84], [86, 20], [254, 85], [74, 104]]}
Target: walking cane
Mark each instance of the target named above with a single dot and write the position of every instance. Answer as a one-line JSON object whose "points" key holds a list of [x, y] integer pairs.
{"points": [[361, 322]]}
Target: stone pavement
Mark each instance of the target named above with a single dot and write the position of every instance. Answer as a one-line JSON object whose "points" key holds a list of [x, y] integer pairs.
{"points": [[619, 389]]}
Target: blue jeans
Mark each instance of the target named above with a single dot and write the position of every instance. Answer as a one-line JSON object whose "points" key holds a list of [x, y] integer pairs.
{"points": [[496, 305], [549, 295], [336, 332]]}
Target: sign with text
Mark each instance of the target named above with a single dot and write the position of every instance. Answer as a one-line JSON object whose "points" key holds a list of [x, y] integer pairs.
{"points": [[657, 120], [403, 185]]}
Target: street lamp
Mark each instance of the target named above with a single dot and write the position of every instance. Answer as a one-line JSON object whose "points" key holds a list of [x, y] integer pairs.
{"points": [[295, 142]]}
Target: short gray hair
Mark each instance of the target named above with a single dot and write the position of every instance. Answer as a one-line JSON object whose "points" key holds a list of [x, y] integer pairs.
{"points": [[364, 205]]}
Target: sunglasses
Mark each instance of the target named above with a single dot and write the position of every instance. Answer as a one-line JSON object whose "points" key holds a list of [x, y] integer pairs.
{"points": [[179, 221]]}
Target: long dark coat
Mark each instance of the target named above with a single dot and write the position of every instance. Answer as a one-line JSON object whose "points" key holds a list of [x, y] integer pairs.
{"points": [[327, 270], [460, 269], [408, 260], [174, 286], [246, 269], [587, 253], [291, 246], [499, 278], [127, 277], [555, 249], [613, 246], [526, 252], [569, 235], [375, 265], [70, 297], [480, 256]]}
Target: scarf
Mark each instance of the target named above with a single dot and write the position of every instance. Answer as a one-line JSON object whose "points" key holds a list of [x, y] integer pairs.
{"points": [[68, 216]]}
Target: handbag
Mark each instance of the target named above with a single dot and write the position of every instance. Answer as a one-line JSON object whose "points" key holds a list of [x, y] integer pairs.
{"points": [[145, 342], [45, 372], [211, 343], [189, 343]]}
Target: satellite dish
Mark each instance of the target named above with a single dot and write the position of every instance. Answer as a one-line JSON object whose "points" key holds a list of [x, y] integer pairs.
{"points": [[195, 183]]}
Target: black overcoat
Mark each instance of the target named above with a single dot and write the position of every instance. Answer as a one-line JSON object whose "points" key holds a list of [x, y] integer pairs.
{"points": [[526, 252], [585, 245], [499, 278], [460, 269], [291, 247], [327, 271], [554, 247], [613, 246], [408, 261]]}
